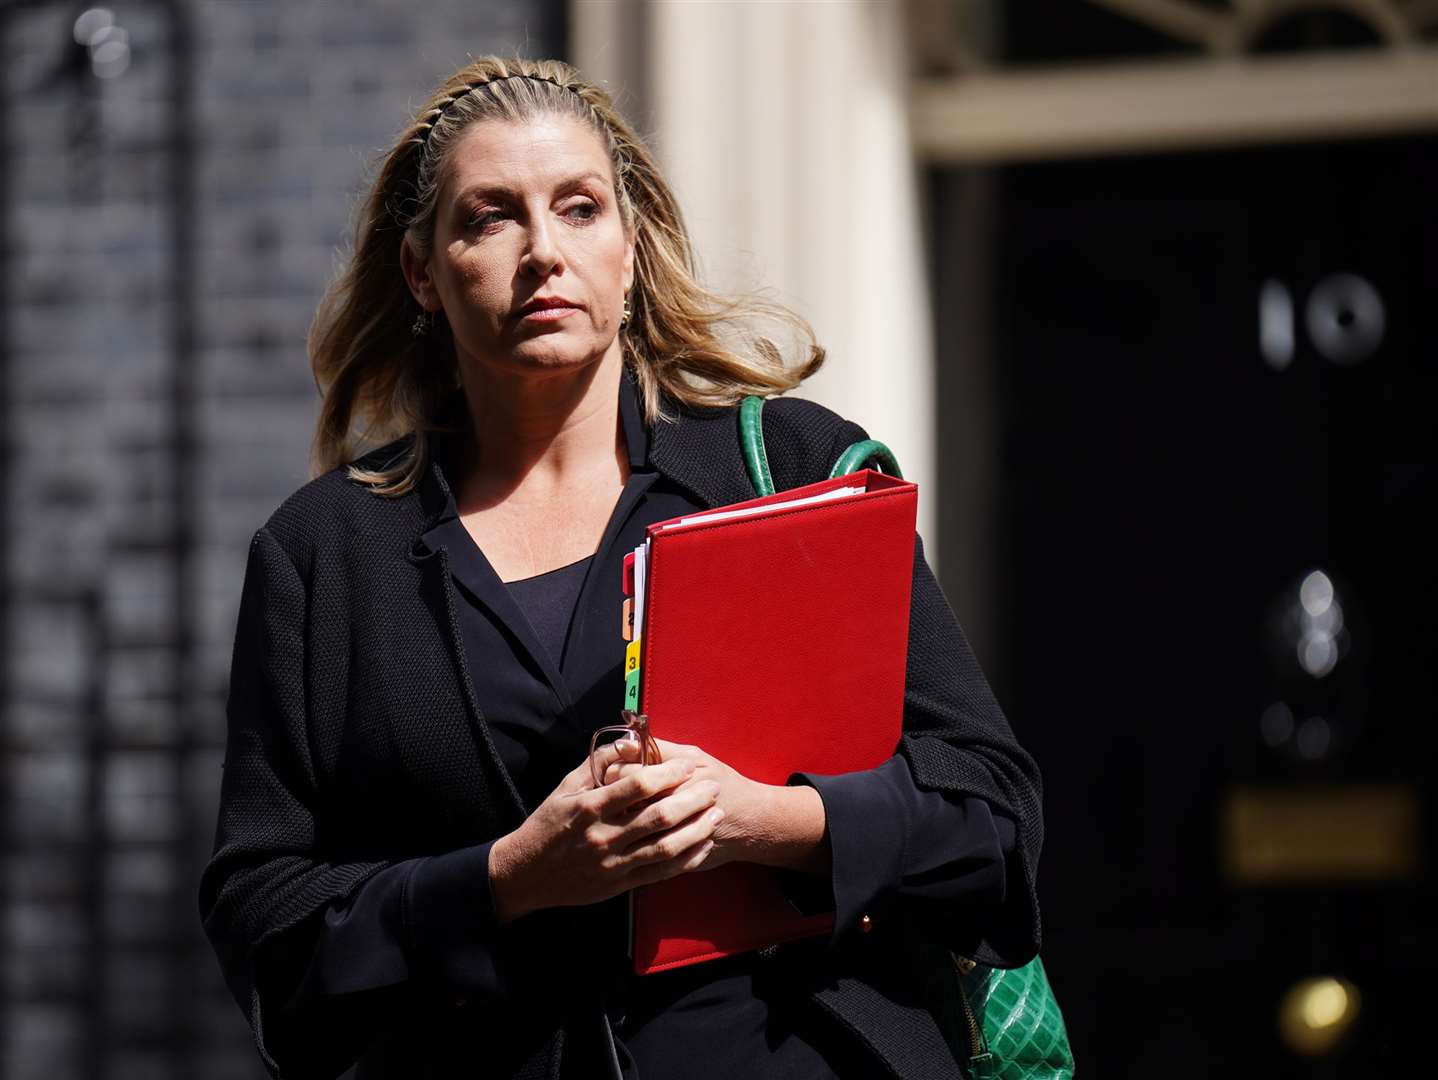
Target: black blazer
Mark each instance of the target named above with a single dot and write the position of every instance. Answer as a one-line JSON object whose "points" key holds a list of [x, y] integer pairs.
{"points": [[355, 742]]}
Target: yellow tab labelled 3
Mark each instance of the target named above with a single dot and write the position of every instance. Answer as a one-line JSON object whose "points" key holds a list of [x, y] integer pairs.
{"points": [[631, 657]]}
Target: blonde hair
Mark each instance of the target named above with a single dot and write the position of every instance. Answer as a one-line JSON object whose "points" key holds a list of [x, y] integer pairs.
{"points": [[682, 341]]}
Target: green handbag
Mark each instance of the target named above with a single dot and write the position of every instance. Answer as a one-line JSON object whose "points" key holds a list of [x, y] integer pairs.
{"points": [[1002, 1023]]}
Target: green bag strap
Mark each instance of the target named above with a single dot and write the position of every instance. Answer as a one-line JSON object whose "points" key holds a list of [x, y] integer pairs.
{"points": [[751, 441], [870, 452]]}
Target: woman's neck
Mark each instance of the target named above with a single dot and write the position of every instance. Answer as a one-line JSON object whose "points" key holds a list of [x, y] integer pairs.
{"points": [[537, 436]]}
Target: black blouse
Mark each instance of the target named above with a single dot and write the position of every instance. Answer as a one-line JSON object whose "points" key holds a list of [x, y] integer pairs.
{"points": [[560, 679]]}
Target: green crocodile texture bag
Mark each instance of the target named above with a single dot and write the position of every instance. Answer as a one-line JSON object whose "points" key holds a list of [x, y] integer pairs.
{"points": [[1015, 1029], [1001, 1024]]}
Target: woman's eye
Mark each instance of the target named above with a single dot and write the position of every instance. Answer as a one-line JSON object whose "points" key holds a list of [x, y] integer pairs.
{"points": [[582, 211], [483, 219]]}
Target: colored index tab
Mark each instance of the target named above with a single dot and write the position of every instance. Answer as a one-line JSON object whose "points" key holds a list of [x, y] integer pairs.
{"points": [[631, 674], [626, 621], [628, 582]]}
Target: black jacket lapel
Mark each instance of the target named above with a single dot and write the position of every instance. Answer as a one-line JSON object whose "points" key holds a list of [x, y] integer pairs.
{"points": [[438, 596], [700, 450]]}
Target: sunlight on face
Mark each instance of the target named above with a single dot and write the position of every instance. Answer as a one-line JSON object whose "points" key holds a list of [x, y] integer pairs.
{"points": [[531, 259]]}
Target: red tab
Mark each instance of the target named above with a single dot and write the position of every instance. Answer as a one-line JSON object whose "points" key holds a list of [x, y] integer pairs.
{"points": [[629, 574]]}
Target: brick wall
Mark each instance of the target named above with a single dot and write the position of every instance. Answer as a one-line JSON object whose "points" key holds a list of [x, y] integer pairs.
{"points": [[117, 618]]}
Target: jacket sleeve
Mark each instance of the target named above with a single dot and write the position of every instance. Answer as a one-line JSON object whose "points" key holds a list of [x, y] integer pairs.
{"points": [[957, 743], [320, 955], [894, 843]]}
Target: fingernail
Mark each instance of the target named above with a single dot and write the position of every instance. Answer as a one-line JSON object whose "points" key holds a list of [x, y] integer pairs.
{"points": [[711, 788], [689, 767], [716, 815]]}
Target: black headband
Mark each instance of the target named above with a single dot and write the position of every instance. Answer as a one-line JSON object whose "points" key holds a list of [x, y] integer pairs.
{"points": [[436, 114]]}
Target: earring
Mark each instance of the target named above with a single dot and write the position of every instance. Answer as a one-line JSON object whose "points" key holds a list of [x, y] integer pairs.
{"points": [[422, 323], [624, 313]]}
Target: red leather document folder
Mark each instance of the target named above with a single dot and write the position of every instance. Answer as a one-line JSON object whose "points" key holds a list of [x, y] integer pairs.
{"points": [[776, 641]]}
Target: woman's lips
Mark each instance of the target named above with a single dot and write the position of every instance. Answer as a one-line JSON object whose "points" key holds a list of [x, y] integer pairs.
{"points": [[547, 314]]}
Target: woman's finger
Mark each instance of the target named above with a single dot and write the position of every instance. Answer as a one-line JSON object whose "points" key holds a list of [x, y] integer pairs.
{"points": [[643, 784], [620, 769], [669, 812], [671, 843], [581, 777], [629, 755], [693, 859], [629, 749]]}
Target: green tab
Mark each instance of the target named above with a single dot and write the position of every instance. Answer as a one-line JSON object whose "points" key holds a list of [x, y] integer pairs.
{"points": [[631, 690]]}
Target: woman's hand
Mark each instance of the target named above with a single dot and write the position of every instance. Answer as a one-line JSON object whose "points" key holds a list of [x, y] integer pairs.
{"points": [[763, 823], [585, 844]]}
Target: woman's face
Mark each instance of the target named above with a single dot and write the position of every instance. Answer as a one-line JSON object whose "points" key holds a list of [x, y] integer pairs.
{"points": [[530, 261]]}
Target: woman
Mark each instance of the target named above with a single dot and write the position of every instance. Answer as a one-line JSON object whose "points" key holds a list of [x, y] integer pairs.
{"points": [[413, 867]]}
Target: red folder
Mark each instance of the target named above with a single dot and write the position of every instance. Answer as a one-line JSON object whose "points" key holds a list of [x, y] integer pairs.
{"points": [[776, 642]]}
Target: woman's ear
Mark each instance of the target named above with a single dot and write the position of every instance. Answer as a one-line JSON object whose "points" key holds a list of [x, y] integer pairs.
{"points": [[417, 277], [628, 269]]}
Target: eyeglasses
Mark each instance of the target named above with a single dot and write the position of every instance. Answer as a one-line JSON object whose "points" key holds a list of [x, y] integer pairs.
{"points": [[635, 729]]}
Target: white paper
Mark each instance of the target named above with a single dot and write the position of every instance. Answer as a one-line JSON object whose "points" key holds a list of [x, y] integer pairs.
{"points": [[641, 575], [770, 508]]}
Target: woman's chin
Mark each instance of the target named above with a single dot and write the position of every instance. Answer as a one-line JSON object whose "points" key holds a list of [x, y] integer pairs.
{"points": [[550, 357]]}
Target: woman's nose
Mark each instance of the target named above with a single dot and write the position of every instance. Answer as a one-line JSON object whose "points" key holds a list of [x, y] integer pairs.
{"points": [[541, 255]]}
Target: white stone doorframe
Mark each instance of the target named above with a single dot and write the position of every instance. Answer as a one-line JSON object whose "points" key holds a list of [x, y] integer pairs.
{"points": [[784, 129]]}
